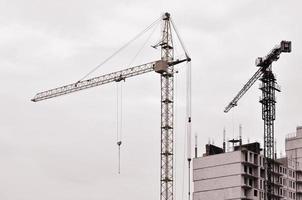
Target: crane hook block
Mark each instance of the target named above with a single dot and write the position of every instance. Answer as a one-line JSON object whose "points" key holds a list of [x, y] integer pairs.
{"points": [[161, 66]]}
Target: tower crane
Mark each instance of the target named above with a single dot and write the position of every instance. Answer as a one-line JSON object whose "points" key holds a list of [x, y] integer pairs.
{"points": [[268, 87], [165, 67]]}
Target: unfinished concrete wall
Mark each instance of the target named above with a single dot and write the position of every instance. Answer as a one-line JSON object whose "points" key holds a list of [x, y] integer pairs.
{"points": [[293, 146]]}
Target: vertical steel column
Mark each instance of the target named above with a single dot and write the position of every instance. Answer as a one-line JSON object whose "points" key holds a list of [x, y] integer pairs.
{"points": [[268, 100], [167, 118]]}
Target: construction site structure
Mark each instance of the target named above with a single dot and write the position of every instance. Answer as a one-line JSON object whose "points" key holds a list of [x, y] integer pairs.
{"points": [[268, 101], [240, 173], [165, 67], [293, 148]]}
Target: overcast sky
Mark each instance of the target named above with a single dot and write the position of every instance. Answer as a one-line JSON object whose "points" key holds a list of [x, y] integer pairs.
{"points": [[65, 148]]}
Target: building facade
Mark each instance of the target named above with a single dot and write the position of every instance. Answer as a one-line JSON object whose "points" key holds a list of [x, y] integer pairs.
{"points": [[240, 173], [293, 148]]}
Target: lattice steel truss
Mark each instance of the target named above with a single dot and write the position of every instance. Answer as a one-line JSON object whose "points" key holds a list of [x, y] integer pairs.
{"points": [[96, 81], [167, 118], [268, 101]]}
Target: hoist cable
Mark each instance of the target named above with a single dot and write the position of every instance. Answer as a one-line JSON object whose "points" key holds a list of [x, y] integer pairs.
{"points": [[121, 110], [120, 49], [118, 127], [117, 112], [189, 148], [183, 170], [120, 107], [188, 107]]}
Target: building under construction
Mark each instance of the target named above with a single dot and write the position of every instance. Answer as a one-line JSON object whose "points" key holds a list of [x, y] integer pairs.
{"points": [[240, 173]]}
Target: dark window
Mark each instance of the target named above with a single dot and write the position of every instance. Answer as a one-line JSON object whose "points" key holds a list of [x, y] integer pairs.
{"points": [[250, 170], [245, 169], [262, 173], [255, 159], [255, 193], [251, 182]]}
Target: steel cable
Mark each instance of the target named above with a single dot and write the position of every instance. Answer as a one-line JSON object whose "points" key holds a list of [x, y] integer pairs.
{"points": [[120, 49]]}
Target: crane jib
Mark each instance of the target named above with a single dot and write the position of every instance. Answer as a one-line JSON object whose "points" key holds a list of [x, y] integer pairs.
{"points": [[158, 66], [93, 82], [263, 63]]}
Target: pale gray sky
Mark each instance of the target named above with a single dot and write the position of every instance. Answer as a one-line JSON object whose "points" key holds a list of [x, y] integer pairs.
{"points": [[65, 148]]}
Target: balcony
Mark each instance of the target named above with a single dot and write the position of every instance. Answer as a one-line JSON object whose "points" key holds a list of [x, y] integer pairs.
{"points": [[248, 175], [299, 169], [277, 173], [248, 163], [277, 184], [246, 186], [277, 195]]}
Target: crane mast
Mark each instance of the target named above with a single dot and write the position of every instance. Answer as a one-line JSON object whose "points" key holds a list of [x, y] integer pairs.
{"points": [[167, 113], [268, 100], [165, 67]]}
